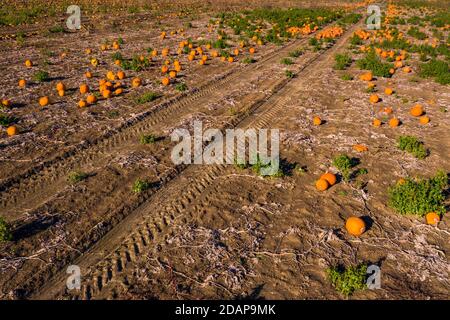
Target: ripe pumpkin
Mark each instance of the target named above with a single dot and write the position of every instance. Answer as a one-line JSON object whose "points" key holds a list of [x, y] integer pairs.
{"points": [[121, 75], [111, 76], [391, 70], [317, 121], [416, 111], [388, 91], [88, 74], [251, 50], [154, 53], [118, 91], [12, 130], [84, 88], [117, 62], [394, 122], [60, 86], [355, 226], [432, 218], [424, 120], [43, 101], [164, 69], [88, 51], [94, 62], [230, 59], [82, 103], [106, 94], [360, 148], [407, 69], [366, 76], [22, 83], [178, 68], [322, 184], [374, 98], [28, 63], [165, 81], [329, 177], [91, 99], [61, 93], [376, 122], [6, 103], [136, 82], [173, 74]]}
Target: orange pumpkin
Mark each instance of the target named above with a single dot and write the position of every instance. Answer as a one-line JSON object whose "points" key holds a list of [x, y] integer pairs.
{"points": [[432, 218], [43, 101], [60, 86], [360, 148], [136, 82], [329, 177], [28, 63], [394, 122], [84, 88], [82, 104], [91, 99], [376, 122], [416, 111], [22, 83], [374, 98], [424, 120], [88, 74], [322, 184], [317, 121], [165, 81], [121, 75], [355, 226], [388, 91], [12, 130]]}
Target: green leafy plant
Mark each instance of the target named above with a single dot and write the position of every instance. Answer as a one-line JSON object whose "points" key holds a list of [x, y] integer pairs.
{"points": [[412, 145], [342, 61], [41, 76], [181, 87], [286, 61], [296, 53], [347, 77], [344, 164], [148, 138], [348, 280], [419, 196], [416, 33], [437, 69], [147, 97], [141, 185], [6, 120], [289, 74], [373, 63], [5, 232], [77, 176], [248, 60]]}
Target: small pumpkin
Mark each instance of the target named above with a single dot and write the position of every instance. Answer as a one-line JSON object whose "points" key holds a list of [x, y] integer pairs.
{"points": [[12, 130], [230, 59], [106, 94], [374, 98], [22, 83], [432, 218], [88, 74], [82, 103], [172, 74], [329, 177], [136, 82], [360, 148], [6, 103], [376, 122], [43, 101], [322, 185], [60, 86], [118, 91], [416, 111], [355, 226], [165, 81], [61, 93], [424, 119], [28, 63], [317, 121], [121, 75], [91, 99], [394, 122], [84, 88], [388, 91]]}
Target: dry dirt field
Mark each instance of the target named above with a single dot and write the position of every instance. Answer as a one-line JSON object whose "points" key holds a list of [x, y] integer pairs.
{"points": [[86, 176]]}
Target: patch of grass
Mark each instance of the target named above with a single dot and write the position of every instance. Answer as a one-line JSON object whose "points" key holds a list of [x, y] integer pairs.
{"points": [[412, 145], [113, 114], [140, 186], [342, 61], [286, 61], [344, 164], [148, 139], [181, 87], [56, 29], [41, 76], [347, 77], [5, 232], [355, 40], [437, 69], [419, 196], [147, 97], [248, 60], [6, 121], [296, 53], [416, 33], [77, 176], [373, 63], [289, 74], [348, 280]]}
